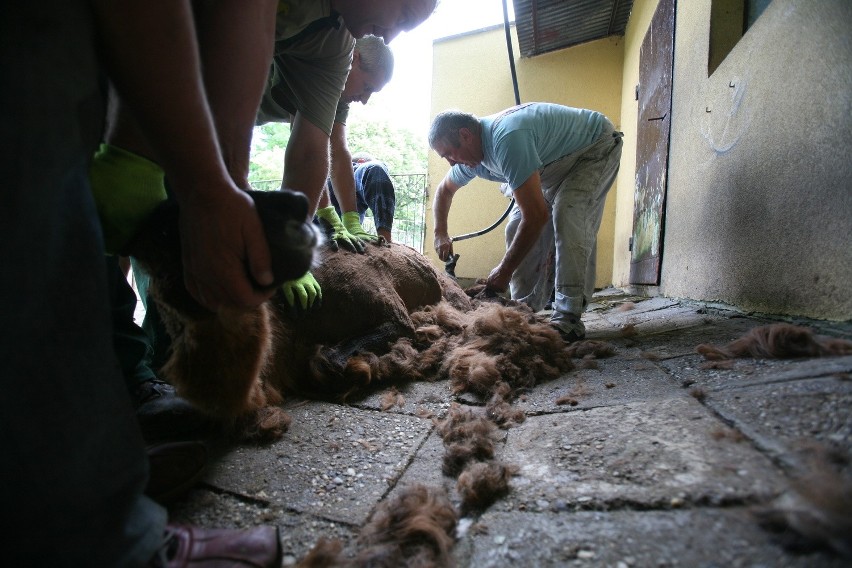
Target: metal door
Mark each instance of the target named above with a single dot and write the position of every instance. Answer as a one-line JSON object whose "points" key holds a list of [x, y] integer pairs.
{"points": [[654, 94]]}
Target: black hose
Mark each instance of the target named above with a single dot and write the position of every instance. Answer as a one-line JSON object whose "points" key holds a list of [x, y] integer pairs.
{"points": [[507, 29], [483, 231]]}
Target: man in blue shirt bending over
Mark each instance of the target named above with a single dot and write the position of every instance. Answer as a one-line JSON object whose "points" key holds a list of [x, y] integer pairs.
{"points": [[558, 163]]}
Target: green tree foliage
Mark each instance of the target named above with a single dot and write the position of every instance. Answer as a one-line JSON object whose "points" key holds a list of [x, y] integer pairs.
{"points": [[267, 154], [400, 149], [403, 151]]}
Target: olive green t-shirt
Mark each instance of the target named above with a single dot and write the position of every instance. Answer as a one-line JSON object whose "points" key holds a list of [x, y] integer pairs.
{"points": [[313, 54]]}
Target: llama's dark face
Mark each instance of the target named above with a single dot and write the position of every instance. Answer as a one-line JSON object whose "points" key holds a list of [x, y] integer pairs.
{"points": [[292, 237], [292, 240]]}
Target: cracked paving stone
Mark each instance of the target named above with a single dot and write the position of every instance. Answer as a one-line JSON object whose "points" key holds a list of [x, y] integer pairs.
{"points": [[325, 442], [787, 416], [706, 538], [661, 454]]}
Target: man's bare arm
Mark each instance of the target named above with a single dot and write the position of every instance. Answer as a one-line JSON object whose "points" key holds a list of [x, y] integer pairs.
{"points": [[150, 47], [440, 212], [306, 161], [237, 40], [534, 214], [342, 175]]}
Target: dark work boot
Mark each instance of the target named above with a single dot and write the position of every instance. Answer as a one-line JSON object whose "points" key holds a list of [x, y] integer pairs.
{"points": [[163, 415], [174, 467], [570, 327], [571, 336]]}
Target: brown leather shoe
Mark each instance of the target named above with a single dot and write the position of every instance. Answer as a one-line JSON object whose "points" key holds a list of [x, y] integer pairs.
{"points": [[190, 547], [174, 468]]}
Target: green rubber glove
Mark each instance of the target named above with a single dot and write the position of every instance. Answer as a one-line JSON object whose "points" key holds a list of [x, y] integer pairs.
{"points": [[126, 187], [339, 234], [305, 289], [352, 222]]}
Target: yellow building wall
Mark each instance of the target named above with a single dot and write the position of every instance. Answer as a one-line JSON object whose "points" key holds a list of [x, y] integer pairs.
{"points": [[471, 72], [758, 200]]}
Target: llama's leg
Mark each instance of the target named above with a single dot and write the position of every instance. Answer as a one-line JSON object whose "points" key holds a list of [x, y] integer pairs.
{"points": [[331, 370], [217, 361]]}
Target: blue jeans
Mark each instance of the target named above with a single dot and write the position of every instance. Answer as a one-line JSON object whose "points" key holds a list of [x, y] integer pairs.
{"points": [[74, 466], [563, 258]]}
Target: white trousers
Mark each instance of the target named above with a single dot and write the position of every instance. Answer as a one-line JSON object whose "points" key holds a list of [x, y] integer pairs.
{"points": [[563, 258]]}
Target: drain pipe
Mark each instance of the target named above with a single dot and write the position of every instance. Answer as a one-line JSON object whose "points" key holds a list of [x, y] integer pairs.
{"points": [[450, 264]]}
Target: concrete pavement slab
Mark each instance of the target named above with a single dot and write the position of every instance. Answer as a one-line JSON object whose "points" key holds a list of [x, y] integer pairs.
{"points": [[683, 341], [692, 371], [783, 418], [614, 380], [643, 454], [417, 398], [335, 461], [693, 538], [657, 464]]}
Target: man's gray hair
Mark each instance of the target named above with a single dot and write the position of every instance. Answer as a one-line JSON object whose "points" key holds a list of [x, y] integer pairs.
{"points": [[361, 157], [375, 56], [445, 127]]}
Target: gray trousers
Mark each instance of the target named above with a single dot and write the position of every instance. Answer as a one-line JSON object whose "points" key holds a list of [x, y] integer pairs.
{"points": [[73, 465], [563, 258]]}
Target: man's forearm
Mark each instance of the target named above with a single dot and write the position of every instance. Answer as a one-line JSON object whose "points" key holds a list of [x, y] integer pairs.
{"points": [[342, 176], [441, 207], [525, 238], [151, 51], [306, 161], [149, 48], [237, 39], [534, 214]]}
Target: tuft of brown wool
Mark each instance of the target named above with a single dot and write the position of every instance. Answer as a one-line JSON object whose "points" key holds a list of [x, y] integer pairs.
{"points": [[482, 483], [415, 528], [324, 554], [778, 341], [591, 347], [816, 511], [390, 399], [458, 455]]}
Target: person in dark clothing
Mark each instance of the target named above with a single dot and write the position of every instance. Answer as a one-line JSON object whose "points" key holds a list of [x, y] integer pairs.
{"points": [[74, 467], [374, 191]]}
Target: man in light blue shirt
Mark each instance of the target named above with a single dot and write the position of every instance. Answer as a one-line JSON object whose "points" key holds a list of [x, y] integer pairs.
{"points": [[558, 163]]}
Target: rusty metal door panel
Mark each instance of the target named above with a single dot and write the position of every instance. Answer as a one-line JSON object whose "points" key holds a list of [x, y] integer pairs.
{"points": [[652, 145]]}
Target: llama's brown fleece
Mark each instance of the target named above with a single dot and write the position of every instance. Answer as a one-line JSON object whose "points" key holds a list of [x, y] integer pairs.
{"points": [[499, 407], [414, 529], [482, 483], [816, 511], [778, 341], [469, 451], [591, 348], [387, 316], [467, 435]]}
